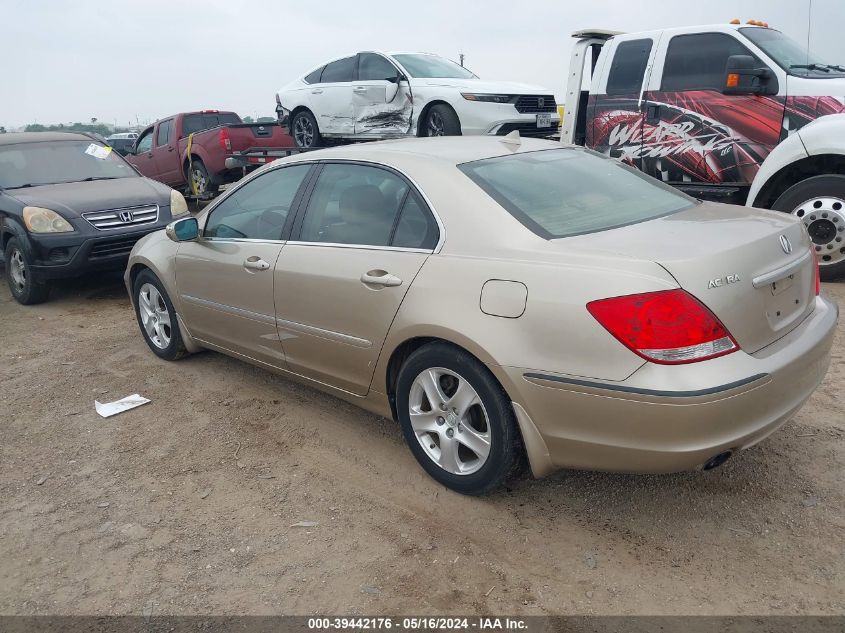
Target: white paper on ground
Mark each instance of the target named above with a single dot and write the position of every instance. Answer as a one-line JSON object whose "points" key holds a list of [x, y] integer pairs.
{"points": [[108, 409]]}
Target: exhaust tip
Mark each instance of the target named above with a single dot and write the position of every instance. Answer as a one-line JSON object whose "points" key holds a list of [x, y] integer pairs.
{"points": [[717, 460]]}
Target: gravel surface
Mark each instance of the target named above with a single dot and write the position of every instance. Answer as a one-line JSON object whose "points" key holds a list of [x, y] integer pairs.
{"points": [[239, 492]]}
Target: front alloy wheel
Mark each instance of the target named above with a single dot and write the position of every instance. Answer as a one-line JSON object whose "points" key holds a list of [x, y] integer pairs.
{"points": [[155, 318]]}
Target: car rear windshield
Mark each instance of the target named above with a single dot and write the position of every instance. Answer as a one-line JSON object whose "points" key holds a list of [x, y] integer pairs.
{"points": [[193, 123], [432, 66], [565, 192], [49, 163]]}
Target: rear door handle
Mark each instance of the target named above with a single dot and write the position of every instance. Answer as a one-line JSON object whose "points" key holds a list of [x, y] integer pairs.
{"points": [[317, 91], [359, 89], [255, 263], [380, 278], [652, 113]]}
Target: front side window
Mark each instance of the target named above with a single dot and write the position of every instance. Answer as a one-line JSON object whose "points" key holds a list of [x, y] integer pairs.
{"points": [[259, 209], [698, 61], [53, 162], [146, 142], [373, 67], [340, 71], [164, 129], [628, 68], [565, 192], [366, 206], [432, 66]]}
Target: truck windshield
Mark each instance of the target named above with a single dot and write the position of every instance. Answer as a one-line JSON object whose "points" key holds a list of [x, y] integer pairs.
{"points": [[200, 121], [789, 55], [50, 163], [432, 66], [565, 192]]}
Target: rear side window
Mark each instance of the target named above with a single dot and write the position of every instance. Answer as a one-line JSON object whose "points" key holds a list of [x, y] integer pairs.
{"points": [[314, 77], [164, 130], [628, 68], [339, 71], [565, 192], [698, 61], [257, 210]]}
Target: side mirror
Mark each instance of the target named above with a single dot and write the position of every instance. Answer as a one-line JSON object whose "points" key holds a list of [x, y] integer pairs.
{"points": [[184, 230], [742, 78]]}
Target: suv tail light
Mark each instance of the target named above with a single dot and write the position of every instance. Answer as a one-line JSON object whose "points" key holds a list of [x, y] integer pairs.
{"points": [[225, 141], [670, 327]]}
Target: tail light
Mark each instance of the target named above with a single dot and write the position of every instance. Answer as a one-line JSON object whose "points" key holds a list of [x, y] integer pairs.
{"points": [[225, 141], [670, 327], [816, 271]]}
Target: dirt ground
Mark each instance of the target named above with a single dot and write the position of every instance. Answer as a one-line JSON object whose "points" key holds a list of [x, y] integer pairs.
{"points": [[186, 505]]}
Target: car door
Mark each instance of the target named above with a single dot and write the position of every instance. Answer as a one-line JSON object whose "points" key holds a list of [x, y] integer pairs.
{"points": [[695, 133], [168, 165], [143, 157], [381, 103], [360, 241], [331, 99], [617, 111], [225, 278]]}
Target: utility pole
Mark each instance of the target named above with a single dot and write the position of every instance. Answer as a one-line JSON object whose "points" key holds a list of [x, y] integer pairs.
{"points": [[461, 57]]}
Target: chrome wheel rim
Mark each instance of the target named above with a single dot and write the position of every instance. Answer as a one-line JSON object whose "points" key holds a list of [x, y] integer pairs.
{"points": [[17, 270], [824, 218], [199, 180], [303, 131], [155, 317], [436, 126], [449, 421]]}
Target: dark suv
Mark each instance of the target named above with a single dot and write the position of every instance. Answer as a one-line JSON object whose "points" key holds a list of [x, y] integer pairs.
{"points": [[70, 205]]}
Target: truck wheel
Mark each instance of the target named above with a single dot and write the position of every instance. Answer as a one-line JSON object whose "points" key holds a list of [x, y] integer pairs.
{"points": [[199, 180], [820, 203], [441, 120], [25, 289], [304, 129]]}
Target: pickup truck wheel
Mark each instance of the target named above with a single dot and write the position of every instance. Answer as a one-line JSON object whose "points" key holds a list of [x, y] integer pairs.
{"points": [[25, 289], [441, 120], [199, 180], [819, 202], [306, 134]]}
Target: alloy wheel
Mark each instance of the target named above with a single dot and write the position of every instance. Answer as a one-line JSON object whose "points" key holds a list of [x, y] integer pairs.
{"points": [[155, 317], [449, 421], [824, 218], [199, 181], [17, 270], [303, 132], [436, 127]]}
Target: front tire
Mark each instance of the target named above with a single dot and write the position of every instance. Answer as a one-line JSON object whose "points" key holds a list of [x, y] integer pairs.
{"points": [[157, 317], [457, 419], [820, 204], [304, 130], [26, 290], [441, 120]]}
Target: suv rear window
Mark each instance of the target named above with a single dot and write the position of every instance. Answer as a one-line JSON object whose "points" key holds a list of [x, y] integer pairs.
{"points": [[565, 192], [193, 123]]}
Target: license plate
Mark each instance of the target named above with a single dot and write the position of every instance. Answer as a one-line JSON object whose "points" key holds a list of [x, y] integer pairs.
{"points": [[544, 120]]}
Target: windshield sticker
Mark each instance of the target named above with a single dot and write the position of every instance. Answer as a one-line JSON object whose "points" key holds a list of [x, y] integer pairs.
{"points": [[98, 151]]}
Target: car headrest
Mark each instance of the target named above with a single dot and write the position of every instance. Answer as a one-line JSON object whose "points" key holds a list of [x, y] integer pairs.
{"points": [[362, 202]]}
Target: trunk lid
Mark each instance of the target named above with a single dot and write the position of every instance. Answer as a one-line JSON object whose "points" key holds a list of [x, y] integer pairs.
{"points": [[754, 269]]}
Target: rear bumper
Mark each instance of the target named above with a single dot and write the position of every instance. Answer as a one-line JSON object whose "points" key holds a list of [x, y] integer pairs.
{"points": [[72, 255], [671, 418]]}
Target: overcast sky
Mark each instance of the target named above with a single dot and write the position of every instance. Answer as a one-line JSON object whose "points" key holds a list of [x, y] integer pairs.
{"points": [[117, 59]]}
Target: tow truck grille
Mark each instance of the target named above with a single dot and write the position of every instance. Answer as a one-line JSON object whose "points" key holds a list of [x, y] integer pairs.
{"points": [[122, 218], [530, 104]]}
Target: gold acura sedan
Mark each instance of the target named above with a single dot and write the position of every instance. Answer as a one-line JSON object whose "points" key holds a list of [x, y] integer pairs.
{"points": [[501, 298]]}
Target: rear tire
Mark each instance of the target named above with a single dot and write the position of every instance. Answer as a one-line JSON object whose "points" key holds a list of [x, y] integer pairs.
{"points": [[304, 129], [441, 120], [820, 204], [198, 174], [471, 448], [156, 317], [24, 288]]}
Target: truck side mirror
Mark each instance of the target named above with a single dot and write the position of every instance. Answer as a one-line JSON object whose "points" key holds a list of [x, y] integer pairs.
{"points": [[742, 78]]}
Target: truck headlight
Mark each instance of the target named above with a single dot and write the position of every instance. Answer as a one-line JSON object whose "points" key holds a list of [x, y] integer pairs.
{"points": [[178, 206], [40, 220], [472, 96]]}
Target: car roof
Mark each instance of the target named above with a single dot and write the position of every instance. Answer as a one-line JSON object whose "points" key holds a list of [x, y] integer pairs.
{"points": [[40, 137], [447, 149]]}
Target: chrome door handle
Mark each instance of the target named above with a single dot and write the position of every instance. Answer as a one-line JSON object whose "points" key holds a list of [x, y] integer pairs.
{"points": [[255, 263], [380, 278], [317, 91]]}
